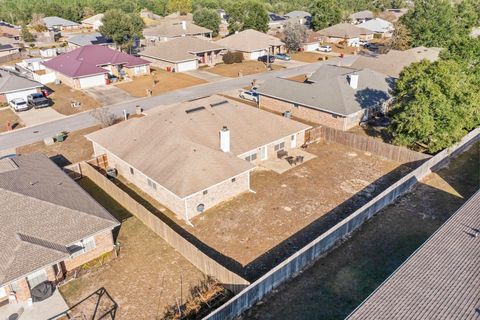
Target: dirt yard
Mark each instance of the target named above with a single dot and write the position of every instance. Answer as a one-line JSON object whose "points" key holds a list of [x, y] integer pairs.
{"points": [[148, 275], [9, 116], [74, 149], [62, 97], [339, 282], [255, 231], [308, 57], [241, 69], [164, 82]]}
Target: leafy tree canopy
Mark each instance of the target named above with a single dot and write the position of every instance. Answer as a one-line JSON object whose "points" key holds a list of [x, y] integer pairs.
{"points": [[207, 18], [436, 104], [324, 13], [295, 35], [247, 14], [123, 28], [182, 6]]}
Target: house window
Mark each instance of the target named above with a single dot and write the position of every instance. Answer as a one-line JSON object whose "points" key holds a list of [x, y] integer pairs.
{"points": [[152, 184], [251, 157], [82, 246], [36, 278], [234, 179], [279, 146], [205, 192], [131, 171]]}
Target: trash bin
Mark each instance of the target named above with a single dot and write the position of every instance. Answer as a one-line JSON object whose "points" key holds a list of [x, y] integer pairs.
{"points": [[60, 137]]}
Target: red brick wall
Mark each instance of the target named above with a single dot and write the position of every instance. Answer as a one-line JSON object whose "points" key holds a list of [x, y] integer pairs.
{"points": [[307, 114], [103, 244], [23, 293]]}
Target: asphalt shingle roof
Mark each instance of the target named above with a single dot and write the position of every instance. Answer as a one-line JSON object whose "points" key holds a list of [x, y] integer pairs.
{"points": [[11, 81], [344, 30], [89, 39], [42, 211], [329, 90], [174, 28], [249, 41], [51, 22], [441, 280]]}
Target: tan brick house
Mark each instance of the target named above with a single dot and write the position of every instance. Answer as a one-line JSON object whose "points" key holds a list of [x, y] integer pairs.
{"points": [[49, 226], [333, 96], [194, 155]]}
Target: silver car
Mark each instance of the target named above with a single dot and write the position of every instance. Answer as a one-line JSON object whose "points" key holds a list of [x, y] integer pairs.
{"points": [[19, 104]]}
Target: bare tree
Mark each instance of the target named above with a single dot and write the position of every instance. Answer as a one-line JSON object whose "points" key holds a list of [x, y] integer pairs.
{"points": [[295, 35], [104, 116]]}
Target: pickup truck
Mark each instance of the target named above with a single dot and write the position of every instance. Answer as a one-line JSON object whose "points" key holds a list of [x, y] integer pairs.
{"points": [[37, 100]]}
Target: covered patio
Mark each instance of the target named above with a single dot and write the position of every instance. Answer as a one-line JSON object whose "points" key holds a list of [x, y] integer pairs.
{"points": [[45, 309]]}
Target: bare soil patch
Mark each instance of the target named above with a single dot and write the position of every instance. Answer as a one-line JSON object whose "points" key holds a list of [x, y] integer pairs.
{"points": [[63, 96], [241, 69], [159, 81], [308, 57], [74, 149], [9, 116], [147, 277], [340, 281]]}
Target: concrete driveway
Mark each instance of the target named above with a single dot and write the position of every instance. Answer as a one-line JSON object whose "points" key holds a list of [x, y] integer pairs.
{"points": [[107, 95], [37, 116]]}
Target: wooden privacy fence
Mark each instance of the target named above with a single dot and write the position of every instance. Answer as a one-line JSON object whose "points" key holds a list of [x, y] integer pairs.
{"points": [[203, 262], [308, 254], [367, 144]]}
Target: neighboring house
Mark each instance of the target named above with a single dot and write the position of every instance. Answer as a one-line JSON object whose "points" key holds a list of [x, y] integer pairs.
{"points": [[361, 16], [392, 15], [89, 39], [13, 85], [252, 44], [91, 66], [333, 96], [380, 27], [171, 29], [311, 43], [9, 30], [440, 280], [301, 17], [49, 225], [275, 22], [57, 23], [393, 62], [34, 69], [194, 155], [94, 22], [45, 37], [345, 32], [8, 50], [183, 54]]}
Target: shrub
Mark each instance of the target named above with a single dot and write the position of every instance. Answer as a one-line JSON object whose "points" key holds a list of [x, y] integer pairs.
{"points": [[232, 57]]}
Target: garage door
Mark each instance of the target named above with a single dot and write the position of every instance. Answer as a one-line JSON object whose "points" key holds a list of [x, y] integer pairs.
{"points": [[93, 81], [187, 66], [312, 47], [19, 94]]}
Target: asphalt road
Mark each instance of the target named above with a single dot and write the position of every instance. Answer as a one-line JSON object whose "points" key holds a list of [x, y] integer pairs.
{"points": [[20, 137]]}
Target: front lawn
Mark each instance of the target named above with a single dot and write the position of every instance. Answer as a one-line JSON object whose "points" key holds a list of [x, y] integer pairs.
{"points": [[241, 69]]}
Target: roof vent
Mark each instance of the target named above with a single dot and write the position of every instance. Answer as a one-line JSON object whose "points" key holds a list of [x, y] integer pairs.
{"points": [[194, 110], [225, 139], [216, 104], [353, 80]]}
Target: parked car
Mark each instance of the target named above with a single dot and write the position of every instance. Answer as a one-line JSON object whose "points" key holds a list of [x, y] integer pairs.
{"points": [[363, 43], [267, 58], [249, 95], [324, 49], [37, 100], [371, 46], [19, 104], [283, 56]]}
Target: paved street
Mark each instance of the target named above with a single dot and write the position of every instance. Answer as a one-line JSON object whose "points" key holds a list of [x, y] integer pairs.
{"points": [[32, 134]]}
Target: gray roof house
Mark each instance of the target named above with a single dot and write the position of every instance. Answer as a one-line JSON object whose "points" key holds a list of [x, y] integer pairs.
{"points": [[441, 280], [13, 85], [361, 16], [333, 96], [44, 217], [59, 23], [89, 39]]}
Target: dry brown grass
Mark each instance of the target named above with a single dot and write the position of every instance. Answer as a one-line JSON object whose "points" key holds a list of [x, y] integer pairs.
{"points": [[164, 82], [75, 148], [308, 57], [241, 69], [63, 96], [8, 116]]}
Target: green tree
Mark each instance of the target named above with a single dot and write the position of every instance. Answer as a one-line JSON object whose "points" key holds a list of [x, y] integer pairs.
{"points": [[431, 23], [324, 13], [247, 14], [436, 104], [27, 36], [401, 38], [182, 6], [123, 28], [207, 18]]}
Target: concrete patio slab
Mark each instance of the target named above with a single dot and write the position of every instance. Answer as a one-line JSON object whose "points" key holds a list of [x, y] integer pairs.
{"points": [[107, 95], [39, 310], [33, 117], [281, 165]]}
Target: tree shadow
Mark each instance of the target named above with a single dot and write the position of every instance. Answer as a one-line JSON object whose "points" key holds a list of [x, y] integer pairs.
{"points": [[370, 98]]}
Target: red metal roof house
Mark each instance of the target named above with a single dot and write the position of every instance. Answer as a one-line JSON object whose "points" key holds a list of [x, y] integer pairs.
{"points": [[93, 65]]}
